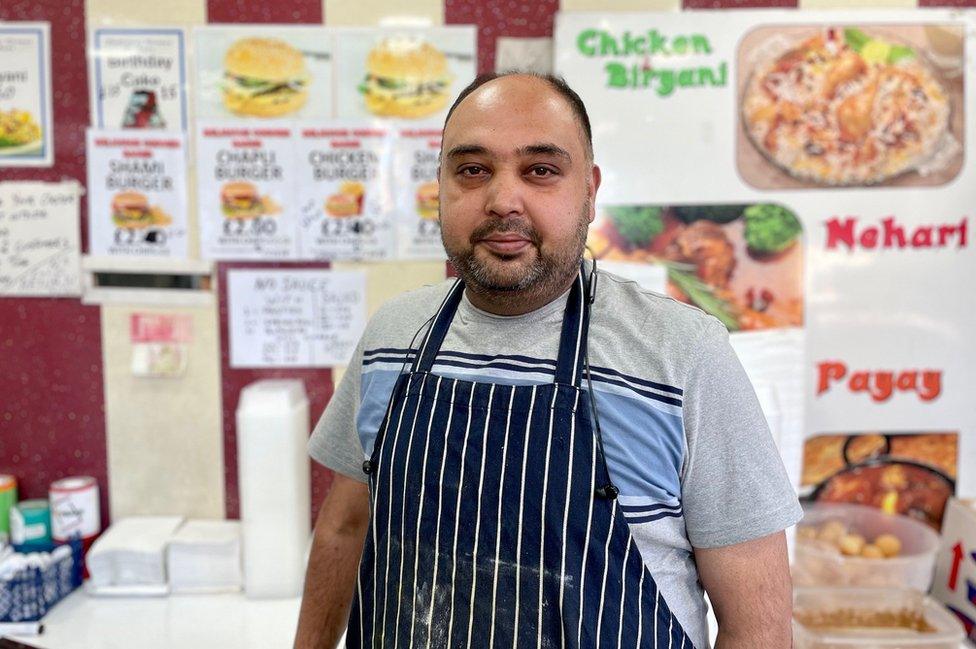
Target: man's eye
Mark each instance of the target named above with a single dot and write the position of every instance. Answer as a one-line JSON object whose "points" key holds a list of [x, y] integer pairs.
{"points": [[542, 172], [472, 171]]}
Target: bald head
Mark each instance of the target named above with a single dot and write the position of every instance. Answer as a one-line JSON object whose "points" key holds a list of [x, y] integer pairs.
{"points": [[501, 87]]}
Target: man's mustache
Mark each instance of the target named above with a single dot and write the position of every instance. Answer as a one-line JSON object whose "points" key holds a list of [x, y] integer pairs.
{"points": [[505, 226]]}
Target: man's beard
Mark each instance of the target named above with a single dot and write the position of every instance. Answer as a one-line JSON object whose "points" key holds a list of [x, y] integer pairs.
{"points": [[547, 271]]}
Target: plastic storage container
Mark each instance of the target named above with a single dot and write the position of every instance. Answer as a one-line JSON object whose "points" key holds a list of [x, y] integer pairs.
{"points": [[29, 593], [819, 563], [272, 433], [860, 610]]}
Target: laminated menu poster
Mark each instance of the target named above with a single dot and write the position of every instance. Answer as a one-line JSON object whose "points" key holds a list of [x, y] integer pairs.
{"points": [[246, 188], [345, 207], [263, 72], [415, 161], [402, 73], [137, 198], [26, 123], [138, 78], [40, 239], [801, 172], [769, 100], [294, 318]]}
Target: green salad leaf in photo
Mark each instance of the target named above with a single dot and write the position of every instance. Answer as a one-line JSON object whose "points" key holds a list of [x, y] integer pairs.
{"points": [[770, 229], [637, 224]]}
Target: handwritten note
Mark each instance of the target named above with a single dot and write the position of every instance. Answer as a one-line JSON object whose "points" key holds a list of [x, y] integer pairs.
{"points": [[295, 318], [39, 239]]}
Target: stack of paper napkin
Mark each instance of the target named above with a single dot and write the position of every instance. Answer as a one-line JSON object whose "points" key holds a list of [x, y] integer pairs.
{"points": [[204, 556]]}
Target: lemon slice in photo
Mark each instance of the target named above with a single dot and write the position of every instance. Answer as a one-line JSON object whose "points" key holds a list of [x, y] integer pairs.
{"points": [[875, 51]]}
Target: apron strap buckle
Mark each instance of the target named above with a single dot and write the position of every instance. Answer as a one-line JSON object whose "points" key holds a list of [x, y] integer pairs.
{"points": [[607, 492]]}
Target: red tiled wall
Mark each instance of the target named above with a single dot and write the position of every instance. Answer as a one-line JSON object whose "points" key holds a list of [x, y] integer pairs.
{"points": [[494, 18], [52, 418]]}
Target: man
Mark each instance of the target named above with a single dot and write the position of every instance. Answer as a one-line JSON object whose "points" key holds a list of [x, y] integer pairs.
{"points": [[553, 457]]}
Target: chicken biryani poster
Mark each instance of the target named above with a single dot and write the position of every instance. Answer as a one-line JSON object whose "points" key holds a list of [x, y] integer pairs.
{"points": [[289, 72], [718, 105], [137, 194], [26, 125]]}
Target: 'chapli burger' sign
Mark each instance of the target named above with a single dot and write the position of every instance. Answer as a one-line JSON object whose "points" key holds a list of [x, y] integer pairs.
{"points": [[246, 187]]}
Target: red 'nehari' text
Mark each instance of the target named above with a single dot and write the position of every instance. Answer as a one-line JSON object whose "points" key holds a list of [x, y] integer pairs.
{"points": [[890, 234]]}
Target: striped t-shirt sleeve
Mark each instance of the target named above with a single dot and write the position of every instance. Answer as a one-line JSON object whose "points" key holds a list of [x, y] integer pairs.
{"points": [[735, 487]]}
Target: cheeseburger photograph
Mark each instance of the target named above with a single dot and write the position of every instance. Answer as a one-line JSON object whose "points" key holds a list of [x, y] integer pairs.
{"points": [[241, 200], [131, 211], [264, 77], [428, 201], [265, 73], [402, 75]]}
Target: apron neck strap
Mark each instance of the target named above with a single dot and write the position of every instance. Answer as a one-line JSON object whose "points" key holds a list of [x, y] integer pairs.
{"points": [[572, 341], [431, 344]]}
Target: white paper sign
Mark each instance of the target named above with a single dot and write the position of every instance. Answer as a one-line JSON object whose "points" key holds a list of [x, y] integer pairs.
{"points": [[138, 78], [137, 194], [39, 239], [26, 125], [415, 161], [344, 191], [295, 318], [246, 190]]}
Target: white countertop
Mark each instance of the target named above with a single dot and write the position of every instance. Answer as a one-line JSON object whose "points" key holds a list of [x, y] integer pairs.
{"points": [[174, 622]]}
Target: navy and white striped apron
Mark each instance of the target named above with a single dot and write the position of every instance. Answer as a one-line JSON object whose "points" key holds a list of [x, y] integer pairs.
{"points": [[486, 528]]}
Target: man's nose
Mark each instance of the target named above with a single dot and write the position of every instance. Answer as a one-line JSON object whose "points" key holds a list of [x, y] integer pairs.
{"points": [[504, 195]]}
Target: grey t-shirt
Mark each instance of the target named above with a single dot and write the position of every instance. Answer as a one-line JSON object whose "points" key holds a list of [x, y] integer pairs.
{"points": [[685, 439]]}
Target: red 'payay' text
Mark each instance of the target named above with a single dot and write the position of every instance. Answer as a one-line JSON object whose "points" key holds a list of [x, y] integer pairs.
{"points": [[849, 232], [879, 384]]}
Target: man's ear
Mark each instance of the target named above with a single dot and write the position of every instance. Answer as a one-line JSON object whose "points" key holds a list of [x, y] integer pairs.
{"points": [[593, 186]]}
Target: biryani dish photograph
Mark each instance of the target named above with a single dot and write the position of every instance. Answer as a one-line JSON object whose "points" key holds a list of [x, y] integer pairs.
{"points": [[406, 77], [846, 106], [19, 131], [741, 263], [264, 77], [242, 200], [132, 211], [346, 202]]}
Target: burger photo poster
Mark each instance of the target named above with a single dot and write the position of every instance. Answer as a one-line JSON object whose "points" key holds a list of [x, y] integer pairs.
{"points": [[263, 72], [345, 208], [137, 194], [415, 159], [246, 190], [402, 73]]}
